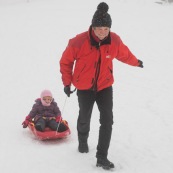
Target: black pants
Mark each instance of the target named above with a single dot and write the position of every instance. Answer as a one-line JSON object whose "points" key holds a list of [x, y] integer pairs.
{"points": [[52, 124], [104, 100]]}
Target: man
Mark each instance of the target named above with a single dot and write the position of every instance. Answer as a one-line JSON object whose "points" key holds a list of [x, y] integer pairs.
{"points": [[93, 52]]}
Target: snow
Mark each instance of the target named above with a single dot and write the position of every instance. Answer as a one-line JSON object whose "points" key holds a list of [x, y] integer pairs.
{"points": [[33, 35]]}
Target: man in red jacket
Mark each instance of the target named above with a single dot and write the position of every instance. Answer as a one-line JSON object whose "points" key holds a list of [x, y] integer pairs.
{"points": [[93, 52]]}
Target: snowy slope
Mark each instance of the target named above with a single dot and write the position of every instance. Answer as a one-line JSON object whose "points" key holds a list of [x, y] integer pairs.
{"points": [[33, 36]]}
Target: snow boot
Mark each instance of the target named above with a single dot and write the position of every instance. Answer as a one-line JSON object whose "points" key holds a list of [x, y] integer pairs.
{"points": [[83, 147], [62, 127], [104, 163]]}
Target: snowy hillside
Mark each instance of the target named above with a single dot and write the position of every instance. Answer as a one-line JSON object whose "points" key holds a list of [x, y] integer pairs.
{"points": [[33, 35]]}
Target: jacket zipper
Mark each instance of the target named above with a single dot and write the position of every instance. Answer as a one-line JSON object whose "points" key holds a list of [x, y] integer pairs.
{"points": [[97, 66]]}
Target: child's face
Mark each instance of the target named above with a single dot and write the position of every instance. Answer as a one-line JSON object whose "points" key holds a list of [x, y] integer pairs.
{"points": [[47, 99]]}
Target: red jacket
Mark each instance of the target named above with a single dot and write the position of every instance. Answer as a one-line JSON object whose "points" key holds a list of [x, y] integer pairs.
{"points": [[87, 64]]}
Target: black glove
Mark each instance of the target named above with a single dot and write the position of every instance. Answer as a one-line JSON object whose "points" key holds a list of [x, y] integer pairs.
{"points": [[140, 63], [67, 90]]}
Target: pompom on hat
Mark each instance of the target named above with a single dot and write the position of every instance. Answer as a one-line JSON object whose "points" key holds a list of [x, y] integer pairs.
{"points": [[101, 18], [45, 93]]}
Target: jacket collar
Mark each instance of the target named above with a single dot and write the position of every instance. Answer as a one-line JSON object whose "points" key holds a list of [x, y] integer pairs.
{"points": [[96, 43]]}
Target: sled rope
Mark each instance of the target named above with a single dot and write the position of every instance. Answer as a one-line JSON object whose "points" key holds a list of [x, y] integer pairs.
{"points": [[63, 110], [62, 114], [64, 105]]}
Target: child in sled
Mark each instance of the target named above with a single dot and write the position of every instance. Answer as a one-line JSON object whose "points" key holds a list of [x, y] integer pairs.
{"points": [[45, 113]]}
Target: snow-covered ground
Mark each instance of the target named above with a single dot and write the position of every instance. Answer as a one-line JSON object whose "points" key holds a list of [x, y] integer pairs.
{"points": [[33, 35]]}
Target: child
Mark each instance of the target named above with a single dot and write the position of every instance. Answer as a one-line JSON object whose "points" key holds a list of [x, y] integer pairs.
{"points": [[45, 113]]}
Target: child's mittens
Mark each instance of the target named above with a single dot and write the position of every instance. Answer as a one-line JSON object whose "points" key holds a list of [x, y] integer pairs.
{"points": [[58, 118], [26, 122]]}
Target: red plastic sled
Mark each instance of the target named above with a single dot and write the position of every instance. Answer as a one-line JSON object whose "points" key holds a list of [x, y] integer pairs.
{"points": [[48, 133]]}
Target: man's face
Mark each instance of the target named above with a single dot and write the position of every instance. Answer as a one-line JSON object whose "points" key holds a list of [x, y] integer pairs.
{"points": [[101, 32]]}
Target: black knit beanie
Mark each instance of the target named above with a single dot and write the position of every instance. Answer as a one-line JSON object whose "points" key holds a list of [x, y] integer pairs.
{"points": [[101, 17]]}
